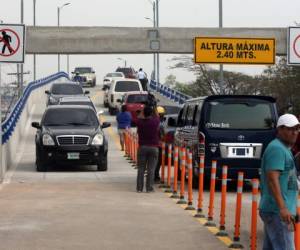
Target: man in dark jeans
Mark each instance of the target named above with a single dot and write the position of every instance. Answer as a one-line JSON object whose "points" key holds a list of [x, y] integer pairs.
{"points": [[148, 132]]}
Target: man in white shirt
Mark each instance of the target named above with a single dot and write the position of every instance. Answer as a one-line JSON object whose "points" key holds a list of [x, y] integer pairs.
{"points": [[142, 76]]}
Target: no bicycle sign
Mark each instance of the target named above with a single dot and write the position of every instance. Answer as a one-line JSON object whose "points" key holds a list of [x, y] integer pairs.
{"points": [[12, 43]]}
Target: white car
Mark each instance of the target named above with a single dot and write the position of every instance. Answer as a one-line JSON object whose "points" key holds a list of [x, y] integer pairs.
{"points": [[107, 81], [118, 89]]}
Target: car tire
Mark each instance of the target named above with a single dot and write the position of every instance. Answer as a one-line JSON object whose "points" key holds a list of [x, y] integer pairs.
{"points": [[102, 166], [40, 165]]}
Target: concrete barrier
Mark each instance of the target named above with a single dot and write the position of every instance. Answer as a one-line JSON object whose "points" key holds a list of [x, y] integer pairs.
{"points": [[17, 124]]}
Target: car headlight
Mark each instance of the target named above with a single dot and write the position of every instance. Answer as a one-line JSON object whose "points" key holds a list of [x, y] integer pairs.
{"points": [[47, 140], [53, 100], [98, 139]]}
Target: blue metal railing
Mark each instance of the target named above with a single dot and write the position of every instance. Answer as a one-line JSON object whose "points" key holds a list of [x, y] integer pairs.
{"points": [[9, 124], [169, 93]]}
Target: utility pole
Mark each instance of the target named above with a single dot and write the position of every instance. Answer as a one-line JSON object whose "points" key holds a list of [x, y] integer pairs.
{"points": [[154, 54], [58, 23], [34, 55], [221, 85], [21, 65], [157, 55]]}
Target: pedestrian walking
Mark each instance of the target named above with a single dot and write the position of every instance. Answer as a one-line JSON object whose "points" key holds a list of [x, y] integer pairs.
{"points": [[148, 133], [142, 76], [124, 123], [279, 188]]}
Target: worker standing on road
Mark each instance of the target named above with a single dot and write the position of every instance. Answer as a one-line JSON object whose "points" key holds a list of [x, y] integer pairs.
{"points": [[124, 123], [279, 186], [148, 133], [161, 112], [142, 76]]}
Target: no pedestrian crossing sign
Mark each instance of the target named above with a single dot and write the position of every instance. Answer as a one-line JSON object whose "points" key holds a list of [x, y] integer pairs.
{"points": [[234, 50], [12, 43], [293, 46]]}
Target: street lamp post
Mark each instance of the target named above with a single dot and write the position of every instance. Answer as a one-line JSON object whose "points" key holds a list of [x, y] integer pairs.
{"points": [[34, 55], [58, 24], [157, 56], [20, 87], [221, 26], [123, 60]]}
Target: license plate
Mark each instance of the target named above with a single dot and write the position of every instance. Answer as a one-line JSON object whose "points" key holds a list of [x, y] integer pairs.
{"points": [[240, 152], [73, 156]]}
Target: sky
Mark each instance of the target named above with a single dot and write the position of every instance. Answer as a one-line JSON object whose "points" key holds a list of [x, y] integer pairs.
{"points": [[132, 13]]}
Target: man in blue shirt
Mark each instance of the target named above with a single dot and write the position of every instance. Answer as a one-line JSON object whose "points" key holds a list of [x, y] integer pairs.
{"points": [[124, 123], [279, 188]]}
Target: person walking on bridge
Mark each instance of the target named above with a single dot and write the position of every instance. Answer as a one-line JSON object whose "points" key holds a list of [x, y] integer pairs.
{"points": [[148, 133], [124, 123], [143, 79], [279, 188]]}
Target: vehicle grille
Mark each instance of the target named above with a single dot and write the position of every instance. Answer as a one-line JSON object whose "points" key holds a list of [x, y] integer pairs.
{"points": [[73, 140]]}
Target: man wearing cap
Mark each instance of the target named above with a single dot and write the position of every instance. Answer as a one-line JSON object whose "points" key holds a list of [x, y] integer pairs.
{"points": [[279, 188]]}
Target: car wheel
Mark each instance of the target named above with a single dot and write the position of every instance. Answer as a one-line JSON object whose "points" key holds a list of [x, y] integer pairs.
{"points": [[102, 166], [40, 165]]}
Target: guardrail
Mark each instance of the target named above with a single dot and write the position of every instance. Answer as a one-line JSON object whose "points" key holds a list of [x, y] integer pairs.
{"points": [[169, 93], [10, 122]]}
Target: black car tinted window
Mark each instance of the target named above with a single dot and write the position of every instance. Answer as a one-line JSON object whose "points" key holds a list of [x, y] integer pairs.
{"points": [[76, 117], [127, 86], [137, 99], [66, 89], [198, 113], [182, 116], [244, 114], [190, 115]]}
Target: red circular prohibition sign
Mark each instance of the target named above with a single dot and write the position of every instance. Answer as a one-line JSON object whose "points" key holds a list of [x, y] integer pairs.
{"points": [[18, 42], [294, 46]]}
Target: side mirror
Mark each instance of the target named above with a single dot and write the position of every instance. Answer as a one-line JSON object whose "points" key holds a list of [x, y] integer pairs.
{"points": [[47, 92], [86, 92], [171, 122], [105, 125], [36, 125], [100, 112]]}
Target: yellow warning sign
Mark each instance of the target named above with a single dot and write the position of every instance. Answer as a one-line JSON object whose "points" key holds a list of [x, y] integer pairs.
{"points": [[234, 50]]}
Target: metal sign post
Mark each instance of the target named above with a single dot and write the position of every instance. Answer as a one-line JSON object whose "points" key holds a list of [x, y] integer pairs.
{"points": [[12, 50]]}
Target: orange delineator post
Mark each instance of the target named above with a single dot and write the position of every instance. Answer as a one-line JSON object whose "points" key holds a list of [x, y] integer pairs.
{"points": [[175, 181], [190, 182], [169, 168], [162, 169], [253, 236], [223, 202], [126, 146], [210, 218], [200, 188], [182, 177], [297, 226], [236, 239]]}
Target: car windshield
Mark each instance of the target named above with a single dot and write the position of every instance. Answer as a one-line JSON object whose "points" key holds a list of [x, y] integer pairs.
{"points": [[244, 114], [85, 70], [114, 75], [66, 89], [90, 104], [70, 116], [127, 86], [137, 99]]}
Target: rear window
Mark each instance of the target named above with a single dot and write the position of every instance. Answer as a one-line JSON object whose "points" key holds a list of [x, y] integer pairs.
{"points": [[78, 103], [66, 89], [137, 99], [114, 75], [84, 70], [127, 86], [244, 114], [124, 70]]}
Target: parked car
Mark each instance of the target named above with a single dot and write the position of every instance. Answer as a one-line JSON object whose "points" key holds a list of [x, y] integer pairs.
{"points": [[77, 100], [135, 102], [87, 76], [128, 72], [70, 135], [109, 77], [59, 90], [235, 129], [118, 89]]}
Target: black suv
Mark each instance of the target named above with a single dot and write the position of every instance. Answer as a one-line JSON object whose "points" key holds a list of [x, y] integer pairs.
{"points": [[59, 90], [70, 135]]}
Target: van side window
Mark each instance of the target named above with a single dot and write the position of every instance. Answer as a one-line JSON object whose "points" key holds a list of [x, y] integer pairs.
{"points": [[190, 115], [198, 113], [182, 119]]}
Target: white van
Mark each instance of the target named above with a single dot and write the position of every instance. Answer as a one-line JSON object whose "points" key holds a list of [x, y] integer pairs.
{"points": [[118, 88]]}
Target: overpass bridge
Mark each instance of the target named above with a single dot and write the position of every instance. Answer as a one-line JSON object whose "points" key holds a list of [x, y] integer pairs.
{"points": [[80, 208]]}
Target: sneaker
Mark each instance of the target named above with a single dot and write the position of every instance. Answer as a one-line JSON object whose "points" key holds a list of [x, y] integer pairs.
{"points": [[150, 190], [139, 191]]}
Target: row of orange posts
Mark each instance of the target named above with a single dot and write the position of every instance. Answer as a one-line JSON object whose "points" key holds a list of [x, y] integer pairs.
{"points": [[183, 160]]}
